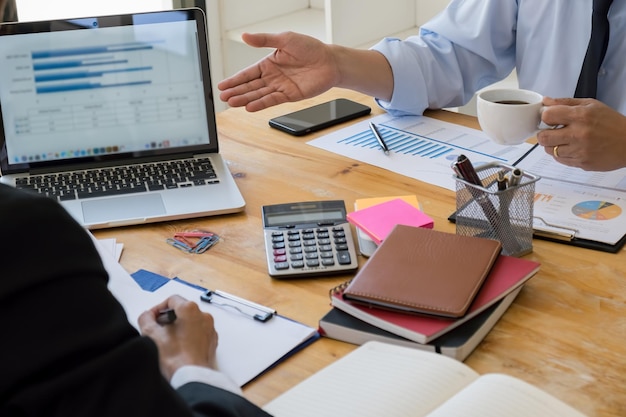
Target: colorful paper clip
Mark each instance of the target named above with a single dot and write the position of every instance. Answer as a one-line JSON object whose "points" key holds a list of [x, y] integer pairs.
{"points": [[182, 240]]}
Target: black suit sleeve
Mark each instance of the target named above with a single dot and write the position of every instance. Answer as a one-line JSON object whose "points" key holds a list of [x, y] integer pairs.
{"points": [[205, 400], [67, 347]]}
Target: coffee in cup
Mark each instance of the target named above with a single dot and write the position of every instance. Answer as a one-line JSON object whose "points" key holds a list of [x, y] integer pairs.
{"points": [[509, 116]]}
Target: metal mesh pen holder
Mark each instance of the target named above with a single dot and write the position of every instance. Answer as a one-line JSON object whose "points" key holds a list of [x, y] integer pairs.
{"points": [[495, 213]]}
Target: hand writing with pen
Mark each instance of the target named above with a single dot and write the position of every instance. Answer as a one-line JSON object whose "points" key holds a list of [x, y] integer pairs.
{"points": [[189, 340]]}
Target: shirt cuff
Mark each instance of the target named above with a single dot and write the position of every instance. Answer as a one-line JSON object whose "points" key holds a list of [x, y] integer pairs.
{"points": [[410, 95], [192, 373]]}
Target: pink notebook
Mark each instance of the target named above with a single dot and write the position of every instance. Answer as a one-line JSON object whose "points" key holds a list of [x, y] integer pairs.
{"points": [[377, 221]]}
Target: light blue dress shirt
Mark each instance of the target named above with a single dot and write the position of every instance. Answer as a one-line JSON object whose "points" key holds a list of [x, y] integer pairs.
{"points": [[474, 43]]}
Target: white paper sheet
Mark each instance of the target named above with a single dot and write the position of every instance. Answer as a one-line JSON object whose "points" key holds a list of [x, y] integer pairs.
{"points": [[420, 147]]}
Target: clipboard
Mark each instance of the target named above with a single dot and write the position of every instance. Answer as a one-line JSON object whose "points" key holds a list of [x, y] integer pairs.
{"points": [[568, 237], [248, 346]]}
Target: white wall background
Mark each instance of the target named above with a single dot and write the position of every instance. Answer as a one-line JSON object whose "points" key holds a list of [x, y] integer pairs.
{"points": [[29, 10], [223, 15]]}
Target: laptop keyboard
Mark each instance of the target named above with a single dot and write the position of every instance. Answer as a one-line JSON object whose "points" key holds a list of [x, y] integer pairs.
{"points": [[121, 180]]}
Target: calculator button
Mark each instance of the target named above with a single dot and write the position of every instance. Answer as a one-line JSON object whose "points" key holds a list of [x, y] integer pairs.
{"points": [[296, 257], [309, 249], [278, 245], [328, 262], [323, 241], [311, 255], [326, 254], [281, 258], [281, 265], [295, 244], [343, 257], [278, 238], [293, 238], [343, 246], [295, 250], [297, 264], [312, 262], [279, 252]]}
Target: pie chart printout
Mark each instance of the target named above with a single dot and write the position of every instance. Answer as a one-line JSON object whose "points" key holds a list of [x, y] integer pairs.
{"points": [[596, 210]]}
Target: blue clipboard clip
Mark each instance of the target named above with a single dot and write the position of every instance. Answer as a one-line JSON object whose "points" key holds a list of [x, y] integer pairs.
{"points": [[247, 308]]}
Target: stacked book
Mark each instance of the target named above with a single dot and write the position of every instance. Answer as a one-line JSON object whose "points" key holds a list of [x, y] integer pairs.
{"points": [[429, 290]]}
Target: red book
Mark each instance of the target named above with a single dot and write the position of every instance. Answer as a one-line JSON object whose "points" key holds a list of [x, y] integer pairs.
{"points": [[507, 274]]}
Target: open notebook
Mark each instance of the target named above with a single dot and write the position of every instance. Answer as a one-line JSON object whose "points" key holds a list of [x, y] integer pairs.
{"points": [[379, 379], [113, 116]]}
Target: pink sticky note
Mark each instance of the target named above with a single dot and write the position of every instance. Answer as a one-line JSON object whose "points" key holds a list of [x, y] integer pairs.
{"points": [[377, 221]]}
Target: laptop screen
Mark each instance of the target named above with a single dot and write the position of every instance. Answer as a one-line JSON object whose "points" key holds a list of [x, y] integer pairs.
{"points": [[104, 88]]}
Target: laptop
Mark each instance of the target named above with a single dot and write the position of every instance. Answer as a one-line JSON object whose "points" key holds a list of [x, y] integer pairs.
{"points": [[113, 116]]}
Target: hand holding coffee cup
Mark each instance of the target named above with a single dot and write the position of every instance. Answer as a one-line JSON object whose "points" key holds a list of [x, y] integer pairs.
{"points": [[510, 116]]}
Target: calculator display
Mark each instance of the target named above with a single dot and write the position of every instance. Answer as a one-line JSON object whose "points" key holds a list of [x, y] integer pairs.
{"points": [[308, 238], [281, 219]]}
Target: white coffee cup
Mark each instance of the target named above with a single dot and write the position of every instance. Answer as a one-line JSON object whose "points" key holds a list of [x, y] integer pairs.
{"points": [[510, 116]]}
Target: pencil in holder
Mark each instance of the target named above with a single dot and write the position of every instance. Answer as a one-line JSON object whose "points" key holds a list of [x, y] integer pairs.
{"points": [[500, 209]]}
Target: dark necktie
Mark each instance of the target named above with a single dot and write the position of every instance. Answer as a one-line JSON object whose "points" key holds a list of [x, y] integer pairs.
{"points": [[588, 80]]}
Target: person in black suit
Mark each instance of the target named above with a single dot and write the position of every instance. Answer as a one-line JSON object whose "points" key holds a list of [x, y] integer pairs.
{"points": [[67, 348]]}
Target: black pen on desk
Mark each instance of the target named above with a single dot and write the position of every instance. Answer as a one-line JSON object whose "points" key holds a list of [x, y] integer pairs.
{"points": [[167, 316], [379, 138]]}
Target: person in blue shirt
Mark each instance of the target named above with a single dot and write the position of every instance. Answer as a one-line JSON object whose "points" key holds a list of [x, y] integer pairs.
{"points": [[468, 46]]}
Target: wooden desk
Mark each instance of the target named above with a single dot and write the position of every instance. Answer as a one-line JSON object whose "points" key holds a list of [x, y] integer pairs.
{"points": [[566, 332]]}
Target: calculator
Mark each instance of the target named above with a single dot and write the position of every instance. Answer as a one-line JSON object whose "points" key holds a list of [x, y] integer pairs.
{"points": [[307, 239]]}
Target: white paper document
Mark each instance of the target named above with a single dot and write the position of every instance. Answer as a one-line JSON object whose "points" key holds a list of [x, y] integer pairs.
{"points": [[543, 164], [246, 347], [420, 147], [569, 202], [586, 204], [586, 212]]}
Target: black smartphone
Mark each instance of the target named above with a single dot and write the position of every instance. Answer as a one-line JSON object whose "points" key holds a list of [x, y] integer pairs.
{"points": [[319, 116]]}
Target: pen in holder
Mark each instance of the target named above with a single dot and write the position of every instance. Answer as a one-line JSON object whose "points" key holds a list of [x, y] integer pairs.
{"points": [[501, 209]]}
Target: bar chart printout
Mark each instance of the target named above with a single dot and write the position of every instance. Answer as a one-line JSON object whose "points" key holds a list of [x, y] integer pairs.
{"points": [[420, 147]]}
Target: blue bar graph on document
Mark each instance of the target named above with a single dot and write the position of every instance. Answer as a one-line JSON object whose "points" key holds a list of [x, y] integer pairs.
{"points": [[419, 147], [400, 142]]}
